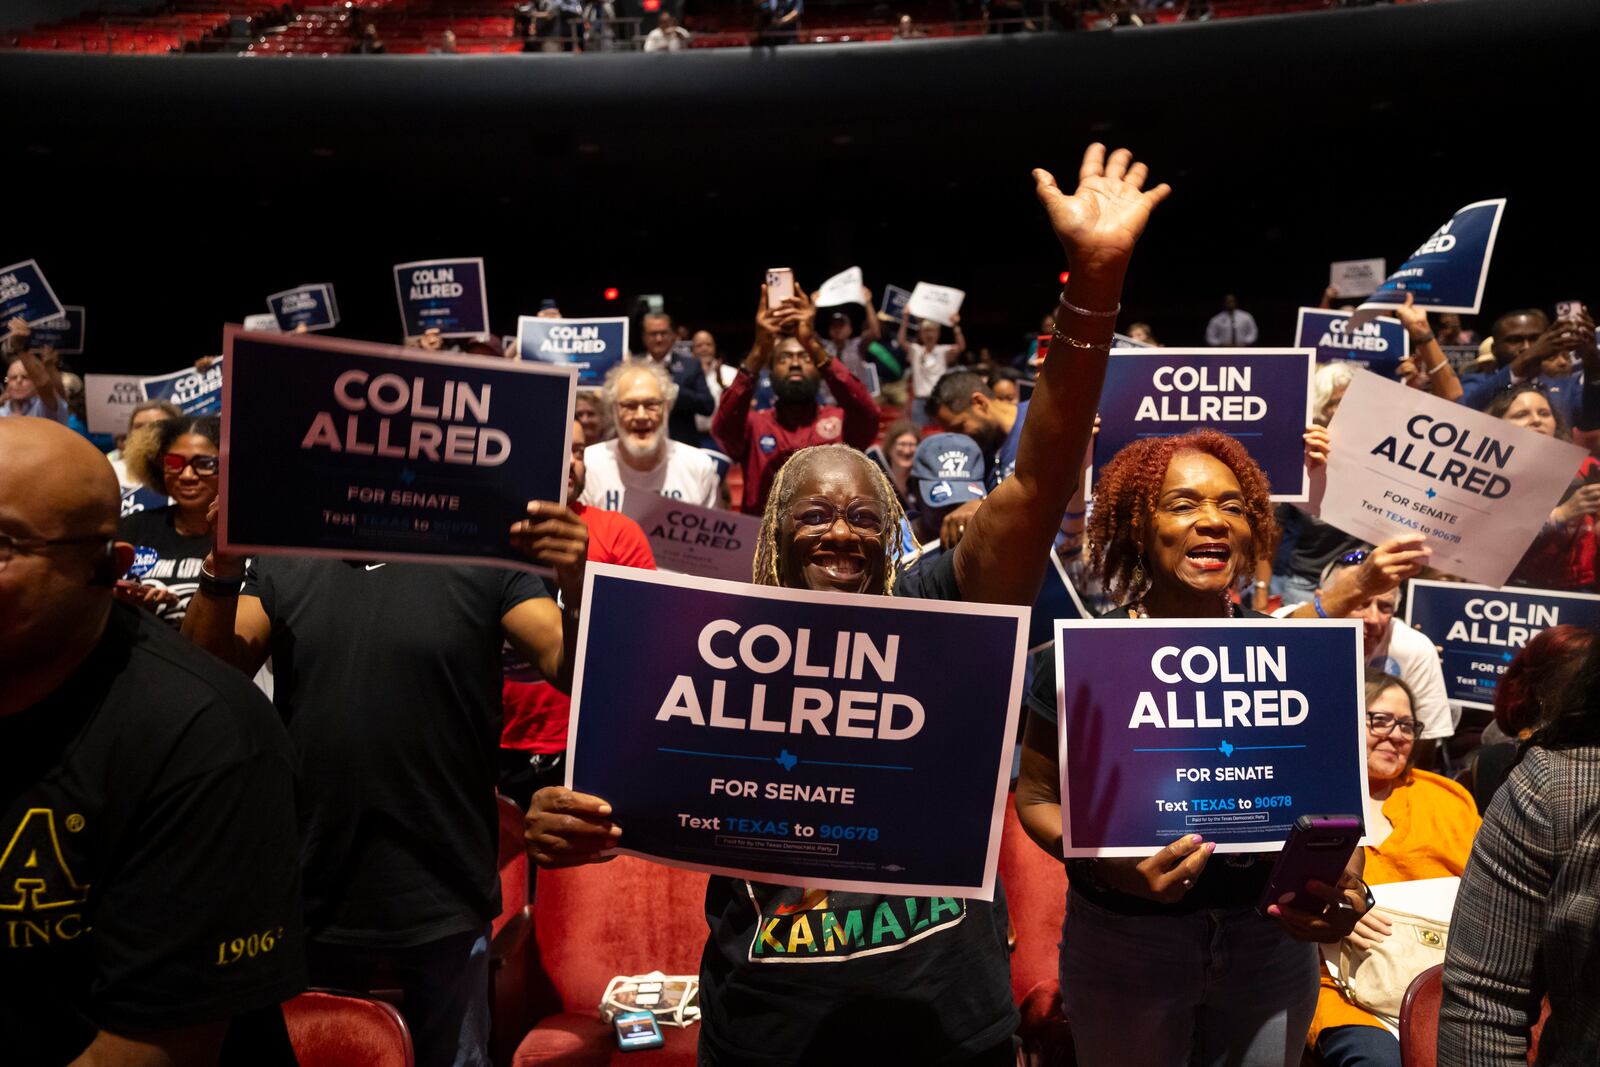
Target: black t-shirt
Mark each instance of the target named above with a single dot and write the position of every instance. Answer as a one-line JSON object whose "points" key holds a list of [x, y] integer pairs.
{"points": [[165, 558], [792, 976], [1319, 544], [1230, 880], [388, 676], [147, 852]]}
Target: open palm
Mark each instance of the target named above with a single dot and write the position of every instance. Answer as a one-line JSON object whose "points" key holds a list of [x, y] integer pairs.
{"points": [[1101, 221]]}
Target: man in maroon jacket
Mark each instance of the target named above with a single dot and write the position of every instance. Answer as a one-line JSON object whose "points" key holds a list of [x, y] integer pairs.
{"points": [[764, 440]]}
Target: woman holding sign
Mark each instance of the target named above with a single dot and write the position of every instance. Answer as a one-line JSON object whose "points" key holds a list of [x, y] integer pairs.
{"points": [[1166, 955], [903, 980]]}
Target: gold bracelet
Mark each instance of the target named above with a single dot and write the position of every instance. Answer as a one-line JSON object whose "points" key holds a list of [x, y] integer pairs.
{"points": [[1073, 342]]}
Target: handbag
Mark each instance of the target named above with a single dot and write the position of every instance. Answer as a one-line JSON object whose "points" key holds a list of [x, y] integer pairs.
{"points": [[1376, 979], [673, 999]]}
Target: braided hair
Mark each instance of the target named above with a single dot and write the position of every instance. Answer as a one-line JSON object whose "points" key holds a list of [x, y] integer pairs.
{"points": [[768, 565]]}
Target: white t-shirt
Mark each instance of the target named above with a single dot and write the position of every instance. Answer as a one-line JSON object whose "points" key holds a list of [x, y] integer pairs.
{"points": [[716, 382], [684, 473], [1412, 658], [927, 367]]}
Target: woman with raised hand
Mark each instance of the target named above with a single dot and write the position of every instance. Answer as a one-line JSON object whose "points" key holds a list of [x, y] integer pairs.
{"points": [[1164, 959], [939, 993]]}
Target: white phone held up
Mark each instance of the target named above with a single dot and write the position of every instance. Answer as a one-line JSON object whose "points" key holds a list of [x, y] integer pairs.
{"points": [[780, 285]]}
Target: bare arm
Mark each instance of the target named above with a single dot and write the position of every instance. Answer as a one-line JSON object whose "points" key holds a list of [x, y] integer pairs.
{"points": [[194, 1046], [1001, 559], [1429, 366], [960, 345], [871, 328], [235, 628], [1039, 785]]}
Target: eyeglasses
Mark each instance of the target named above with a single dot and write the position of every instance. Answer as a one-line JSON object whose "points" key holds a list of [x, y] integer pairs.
{"points": [[628, 407], [1383, 725], [204, 466], [10, 546], [861, 516]]}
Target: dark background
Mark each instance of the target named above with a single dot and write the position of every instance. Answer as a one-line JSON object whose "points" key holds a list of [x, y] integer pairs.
{"points": [[171, 194]]}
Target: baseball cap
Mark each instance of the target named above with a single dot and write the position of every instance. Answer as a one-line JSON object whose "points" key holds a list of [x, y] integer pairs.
{"points": [[948, 470]]}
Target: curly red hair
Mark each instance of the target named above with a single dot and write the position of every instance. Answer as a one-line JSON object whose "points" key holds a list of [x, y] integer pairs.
{"points": [[1546, 665], [1126, 490]]}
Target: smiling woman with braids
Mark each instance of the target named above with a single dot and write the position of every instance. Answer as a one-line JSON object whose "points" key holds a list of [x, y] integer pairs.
{"points": [[907, 980], [1165, 960]]}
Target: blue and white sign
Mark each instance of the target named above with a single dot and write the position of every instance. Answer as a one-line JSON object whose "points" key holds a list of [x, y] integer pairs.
{"points": [[25, 295], [195, 392], [1481, 630], [1404, 461], [109, 401], [1230, 729], [688, 539], [592, 345], [447, 295], [894, 304], [1378, 343], [311, 306], [797, 737], [364, 451], [64, 334], [1448, 271], [1262, 396]]}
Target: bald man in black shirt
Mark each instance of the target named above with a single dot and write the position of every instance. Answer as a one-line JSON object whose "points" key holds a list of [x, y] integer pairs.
{"points": [[149, 891]]}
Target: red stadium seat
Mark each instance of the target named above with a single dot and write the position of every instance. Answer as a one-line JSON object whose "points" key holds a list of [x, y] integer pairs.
{"points": [[334, 1030], [587, 929], [1419, 1019], [509, 956], [1036, 897]]}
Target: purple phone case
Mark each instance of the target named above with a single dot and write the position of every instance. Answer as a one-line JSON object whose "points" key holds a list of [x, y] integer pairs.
{"points": [[1298, 863]]}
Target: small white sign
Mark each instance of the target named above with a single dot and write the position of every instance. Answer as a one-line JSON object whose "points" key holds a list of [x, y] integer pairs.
{"points": [[936, 302], [1353, 278], [109, 400], [842, 288]]}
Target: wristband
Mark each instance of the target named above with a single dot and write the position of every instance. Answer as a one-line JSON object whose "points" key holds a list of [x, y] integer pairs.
{"points": [[1073, 342], [226, 587], [1316, 602], [1424, 341]]}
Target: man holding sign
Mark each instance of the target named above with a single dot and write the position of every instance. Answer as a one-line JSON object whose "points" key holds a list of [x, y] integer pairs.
{"points": [[768, 993], [387, 671]]}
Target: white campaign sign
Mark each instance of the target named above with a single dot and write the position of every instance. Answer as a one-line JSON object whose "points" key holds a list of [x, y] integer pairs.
{"points": [[1356, 277], [936, 302], [704, 542], [267, 323], [109, 399], [1404, 461], [842, 288]]}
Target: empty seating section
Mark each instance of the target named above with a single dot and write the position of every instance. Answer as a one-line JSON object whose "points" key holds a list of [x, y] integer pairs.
{"points": [[254, 27]]}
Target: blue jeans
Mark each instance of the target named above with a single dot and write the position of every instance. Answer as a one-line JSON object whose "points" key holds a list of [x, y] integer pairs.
{"points": [[1358, 1046], [444, 986], [1222, 988], [1297, 589]]}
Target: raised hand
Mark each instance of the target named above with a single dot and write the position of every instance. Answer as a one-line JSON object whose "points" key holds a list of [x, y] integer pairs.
{"points": [[1100, 222], [555, 536], [1414, 319], [1586, 501], [568, 829], [1317, 444], [1391, 563]]}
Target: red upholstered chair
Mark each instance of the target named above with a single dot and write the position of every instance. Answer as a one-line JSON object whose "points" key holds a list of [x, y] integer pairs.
{"points": [[592, 923], [1419, 1019], [335, 1030], [1036, 897], [510, 1013]]}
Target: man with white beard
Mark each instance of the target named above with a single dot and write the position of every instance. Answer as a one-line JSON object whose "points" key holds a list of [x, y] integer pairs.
{"points": [[639, 394]]}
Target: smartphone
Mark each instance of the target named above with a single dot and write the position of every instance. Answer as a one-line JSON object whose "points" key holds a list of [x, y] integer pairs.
{"points": [[1569, 310], [780, 285], [636, 1030], [1318, 849]]}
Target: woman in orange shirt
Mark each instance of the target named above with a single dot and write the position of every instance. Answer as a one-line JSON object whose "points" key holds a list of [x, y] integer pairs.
{"points": [[1425, 831]]}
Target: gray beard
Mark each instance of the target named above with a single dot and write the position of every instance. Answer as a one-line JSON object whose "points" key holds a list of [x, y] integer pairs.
{"points": [[644, 457]]}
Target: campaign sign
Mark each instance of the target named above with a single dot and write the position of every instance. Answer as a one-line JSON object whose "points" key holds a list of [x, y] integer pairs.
{"points": [[364, 451], [25, 295], [842, 288], [1230, 729], [893, 308], [594, 346], [195, 392], [447, 295], [1480, 629], [64, 334], [1403, 460], [827, 740], [1262, 396], [1355, 277], [940, 303], [1448, 272], [1379, 343], [689, 539], [311, 306], [109, 400]]}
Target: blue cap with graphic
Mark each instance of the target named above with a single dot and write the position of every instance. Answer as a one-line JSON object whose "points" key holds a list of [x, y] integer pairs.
{"points": [[948, 470]]}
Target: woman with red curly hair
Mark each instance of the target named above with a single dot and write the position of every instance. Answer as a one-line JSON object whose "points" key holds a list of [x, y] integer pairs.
{"points": [[1164, 960]]}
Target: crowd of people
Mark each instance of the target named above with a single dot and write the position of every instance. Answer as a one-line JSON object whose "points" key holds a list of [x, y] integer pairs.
{"points": [[183, 850]]}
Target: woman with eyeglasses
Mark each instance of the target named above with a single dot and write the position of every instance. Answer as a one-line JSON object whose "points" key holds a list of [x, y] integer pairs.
{"points": [[1424, 829], [178, 459], [1164, 958], [1564, 555]]}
